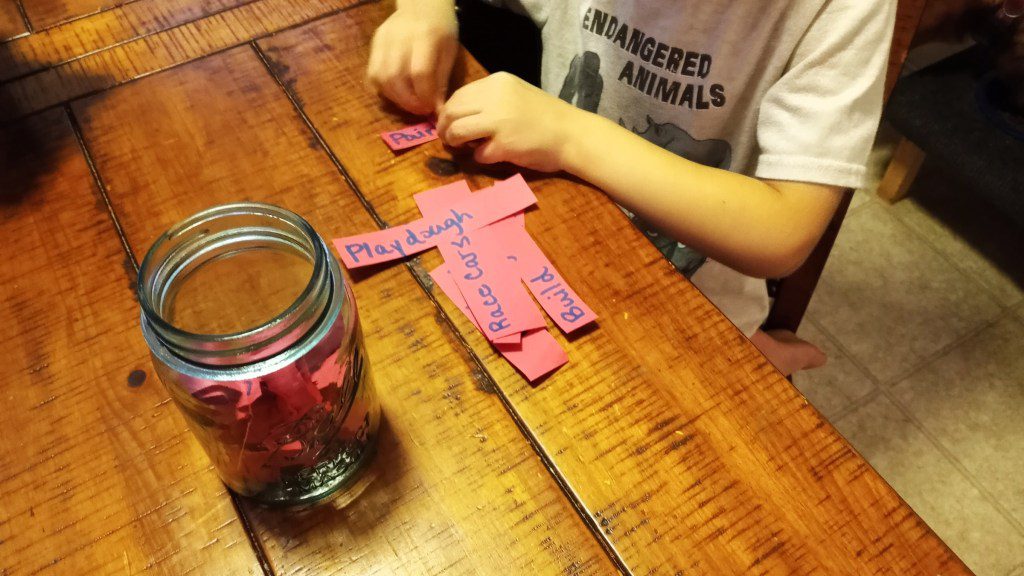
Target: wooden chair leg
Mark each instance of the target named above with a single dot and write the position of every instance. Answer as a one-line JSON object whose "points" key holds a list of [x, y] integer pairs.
{"points": [[905, 164], [793, 293]]}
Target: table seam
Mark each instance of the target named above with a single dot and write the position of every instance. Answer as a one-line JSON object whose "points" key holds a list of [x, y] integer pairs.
{"points": [[588, 520]]}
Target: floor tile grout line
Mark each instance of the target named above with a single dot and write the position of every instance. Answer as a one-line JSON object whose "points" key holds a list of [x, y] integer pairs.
{"points": [[938, 354], [942, 254], [855, 402], [959, 466], [76, 57], [946, 453], [914, 369], [480, 368]]}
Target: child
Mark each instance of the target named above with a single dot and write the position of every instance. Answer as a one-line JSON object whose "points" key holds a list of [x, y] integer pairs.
{"points": [[726, 128]]}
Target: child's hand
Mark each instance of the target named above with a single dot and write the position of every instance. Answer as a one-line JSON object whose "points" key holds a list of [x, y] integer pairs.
{"points": [[517, 122], [412, 55]]}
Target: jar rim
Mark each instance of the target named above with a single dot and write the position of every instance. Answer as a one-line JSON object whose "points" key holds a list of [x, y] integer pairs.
{"points": [[250, 344]]}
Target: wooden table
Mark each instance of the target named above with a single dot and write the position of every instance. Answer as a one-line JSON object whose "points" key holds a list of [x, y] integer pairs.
{"points": [[667, 446]]}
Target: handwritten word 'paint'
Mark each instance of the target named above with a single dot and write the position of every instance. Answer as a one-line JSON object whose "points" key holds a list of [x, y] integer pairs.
{"points": [[410, 136]]}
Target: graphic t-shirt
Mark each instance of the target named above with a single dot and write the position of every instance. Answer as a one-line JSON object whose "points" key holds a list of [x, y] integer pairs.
{"points": [[775, 89]]}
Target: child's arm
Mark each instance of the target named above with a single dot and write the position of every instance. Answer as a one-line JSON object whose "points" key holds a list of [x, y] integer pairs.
{"points": [[760, 228], [412, 54]]}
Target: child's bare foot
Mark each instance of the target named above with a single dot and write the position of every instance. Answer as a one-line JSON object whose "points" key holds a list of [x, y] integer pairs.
{"points": [[787, 352]]}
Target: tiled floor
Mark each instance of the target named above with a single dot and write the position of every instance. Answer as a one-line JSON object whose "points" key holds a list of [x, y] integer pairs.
{"points": [[921, 310]]}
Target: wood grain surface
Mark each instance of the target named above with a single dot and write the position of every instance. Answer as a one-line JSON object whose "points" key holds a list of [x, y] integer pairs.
{"points": [[84, 36], [98, 472], [456, 487], [47, 13], [11, 22], [136, 58], [687, 450]]}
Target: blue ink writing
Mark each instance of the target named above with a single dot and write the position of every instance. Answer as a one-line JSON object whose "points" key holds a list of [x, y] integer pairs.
{"points": [[454, 221], [491, 301], [472, 264], [545, 276], [571, 312], [364, 248], [399, 137]]}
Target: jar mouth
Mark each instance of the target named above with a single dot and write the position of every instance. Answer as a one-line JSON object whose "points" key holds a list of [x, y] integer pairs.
{"points": [[221, 233]]}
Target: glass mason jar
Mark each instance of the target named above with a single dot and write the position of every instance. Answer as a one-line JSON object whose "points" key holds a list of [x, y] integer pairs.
{"points": [[254, 332]]}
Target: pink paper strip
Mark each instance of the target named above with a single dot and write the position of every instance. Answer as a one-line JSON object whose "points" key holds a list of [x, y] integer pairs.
{"points": [[548, 286], [410, 136], [485, 278], [510, 339], [488, 205], [538, 353], [490, 285], [432, 202]]}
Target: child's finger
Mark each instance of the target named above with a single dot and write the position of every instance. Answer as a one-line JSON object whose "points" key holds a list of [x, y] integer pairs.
{"points": [[467, 129], [464, 102], [445, 64], [373, 64], [487, 153], [466, 96], [422, 73], [399, 90], [455, 109], [396, 85]]}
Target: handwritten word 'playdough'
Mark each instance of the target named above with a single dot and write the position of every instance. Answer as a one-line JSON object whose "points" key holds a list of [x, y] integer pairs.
{"points": [[488, 205]]}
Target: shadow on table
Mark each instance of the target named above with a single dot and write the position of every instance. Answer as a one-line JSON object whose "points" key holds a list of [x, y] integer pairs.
{"points": [[357, 511], [30, 142]]}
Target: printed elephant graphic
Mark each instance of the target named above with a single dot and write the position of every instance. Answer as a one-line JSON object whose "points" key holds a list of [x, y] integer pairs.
{"points": [[583, 83], [714, 153]]}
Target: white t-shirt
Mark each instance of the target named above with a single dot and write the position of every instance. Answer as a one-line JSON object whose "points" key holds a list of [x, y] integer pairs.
{"points": [[776, 89]]}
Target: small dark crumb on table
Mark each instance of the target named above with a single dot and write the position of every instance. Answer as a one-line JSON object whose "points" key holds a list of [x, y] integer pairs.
{"points": [[136, 378], [442, 166]]}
